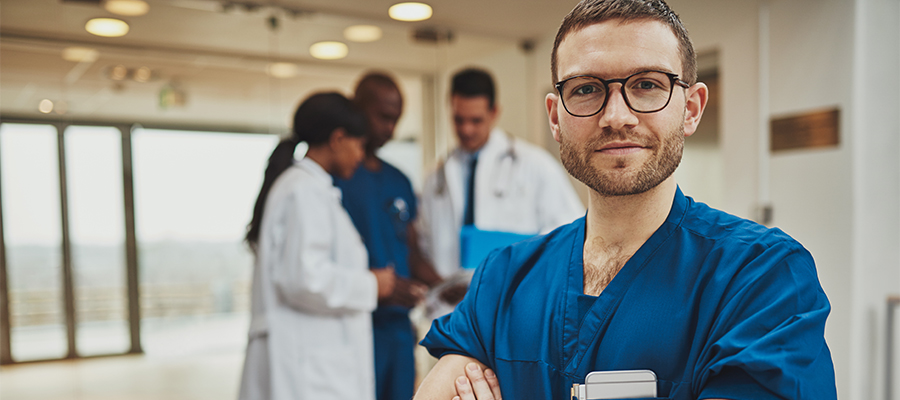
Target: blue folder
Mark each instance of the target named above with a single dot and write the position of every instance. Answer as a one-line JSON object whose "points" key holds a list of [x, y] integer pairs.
{"points": [[475, 244]]}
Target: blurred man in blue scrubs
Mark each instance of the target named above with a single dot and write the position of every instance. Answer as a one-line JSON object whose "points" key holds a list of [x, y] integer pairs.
{"points": [[382, 205], [718, 307]]}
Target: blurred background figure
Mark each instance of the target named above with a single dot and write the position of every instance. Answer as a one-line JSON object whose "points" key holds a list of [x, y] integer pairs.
{"points": [[310, 330], [382, 204], [504, 188]]}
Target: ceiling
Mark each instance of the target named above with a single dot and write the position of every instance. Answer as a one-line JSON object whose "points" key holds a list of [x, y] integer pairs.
{"points": [[206, 40]]}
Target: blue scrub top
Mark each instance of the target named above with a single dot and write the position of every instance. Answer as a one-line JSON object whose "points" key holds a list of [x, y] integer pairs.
{"points": [[715, 305], [381, 204]]}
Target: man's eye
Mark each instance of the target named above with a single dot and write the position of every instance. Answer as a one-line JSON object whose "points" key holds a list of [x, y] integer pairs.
{"points": [[646, 85], [585, 90]]}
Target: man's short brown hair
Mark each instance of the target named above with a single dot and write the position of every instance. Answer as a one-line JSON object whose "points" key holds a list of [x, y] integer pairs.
{"points": [[589, 12]]}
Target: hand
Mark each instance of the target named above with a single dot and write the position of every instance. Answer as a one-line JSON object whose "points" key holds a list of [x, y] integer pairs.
{"points": [[477, 384], [386, 280], [407, 293], [453, 294]]}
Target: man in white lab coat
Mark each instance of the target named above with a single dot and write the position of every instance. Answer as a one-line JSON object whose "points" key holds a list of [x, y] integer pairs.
{"points": [[517, 187]]}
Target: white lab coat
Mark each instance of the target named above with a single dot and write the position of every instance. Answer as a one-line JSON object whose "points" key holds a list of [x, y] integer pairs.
{"points": [[519, 188], [311, 326]]}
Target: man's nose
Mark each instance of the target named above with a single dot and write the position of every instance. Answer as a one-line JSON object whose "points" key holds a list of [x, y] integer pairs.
{"points": [[466, 128], [616, 114]]}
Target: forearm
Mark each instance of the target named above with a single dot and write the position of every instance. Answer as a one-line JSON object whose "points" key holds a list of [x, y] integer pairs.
{"points": [[439, 384]]}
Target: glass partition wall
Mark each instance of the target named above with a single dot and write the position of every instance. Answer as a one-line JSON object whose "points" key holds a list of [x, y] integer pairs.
{"points": [[32, 231], [117, 240]]}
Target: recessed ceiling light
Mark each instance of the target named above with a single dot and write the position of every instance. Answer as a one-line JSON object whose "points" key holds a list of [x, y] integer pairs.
{"points": [[80, 54], [282, 70], [410, 11], [118, 73], [328, 50], [61, 107], [142, 75], [45, 106], [130, 8], [107, 27], [362, 33]]}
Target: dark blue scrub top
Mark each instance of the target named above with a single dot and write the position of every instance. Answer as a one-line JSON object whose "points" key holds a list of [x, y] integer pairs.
{"points": [[715, 305], [381, 204]]}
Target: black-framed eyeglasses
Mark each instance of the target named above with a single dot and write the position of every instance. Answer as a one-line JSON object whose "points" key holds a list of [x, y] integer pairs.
{"points": [[644, 92]]}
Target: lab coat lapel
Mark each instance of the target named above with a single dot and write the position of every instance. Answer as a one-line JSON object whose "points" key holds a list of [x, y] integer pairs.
{"points": [[455, 182], [584, 338], [485, 175]]}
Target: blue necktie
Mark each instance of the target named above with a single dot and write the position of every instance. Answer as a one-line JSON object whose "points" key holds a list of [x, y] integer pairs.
{"points": [[469, 217]]}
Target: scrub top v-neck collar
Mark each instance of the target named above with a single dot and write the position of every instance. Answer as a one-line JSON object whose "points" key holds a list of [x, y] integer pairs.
{"points": [[579, 333]]}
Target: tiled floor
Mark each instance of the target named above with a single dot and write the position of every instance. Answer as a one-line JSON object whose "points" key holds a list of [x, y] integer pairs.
{"points": [[135, 377], [192, 359], [197, 361]]}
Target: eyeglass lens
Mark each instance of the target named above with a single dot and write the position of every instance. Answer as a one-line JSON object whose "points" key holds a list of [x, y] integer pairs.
{"points": [[644, 92]]}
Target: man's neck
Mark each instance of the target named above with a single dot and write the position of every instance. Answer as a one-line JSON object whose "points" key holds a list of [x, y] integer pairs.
{"points": [[626, 222], [617, 226], [372, 162]]}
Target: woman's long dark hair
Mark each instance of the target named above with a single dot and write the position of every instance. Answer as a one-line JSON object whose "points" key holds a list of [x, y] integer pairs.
{"points": [[314, 122]]}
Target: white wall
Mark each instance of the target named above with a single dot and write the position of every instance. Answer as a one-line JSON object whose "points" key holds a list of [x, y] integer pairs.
{"points": [[876, 191], [811, 189]]}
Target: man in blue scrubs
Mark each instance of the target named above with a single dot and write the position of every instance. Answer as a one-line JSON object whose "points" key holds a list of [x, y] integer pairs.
{"points": [[382, 205], [716, 306]]}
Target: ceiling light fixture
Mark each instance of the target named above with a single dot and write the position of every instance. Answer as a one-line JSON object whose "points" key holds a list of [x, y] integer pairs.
{"points": [[118, 73], [45, 106], [107, 27], [142, 75], [130, 8], [362, 33], [80, 54], [410, 11], [328, 50], [282, 70]]}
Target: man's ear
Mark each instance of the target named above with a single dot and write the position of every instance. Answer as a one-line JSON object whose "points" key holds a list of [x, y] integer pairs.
{"points": [[696, 97], [494, 114], [552, 101]]}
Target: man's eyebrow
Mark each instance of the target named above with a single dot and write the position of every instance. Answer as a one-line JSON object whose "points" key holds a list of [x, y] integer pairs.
{"points": [[629, 72]]}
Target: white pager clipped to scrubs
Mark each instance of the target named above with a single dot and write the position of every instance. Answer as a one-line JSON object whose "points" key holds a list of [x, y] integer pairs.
{"points": [[629, 384]]}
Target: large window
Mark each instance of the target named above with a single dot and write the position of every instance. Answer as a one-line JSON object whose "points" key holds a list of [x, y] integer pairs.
{"points": [[97, 235], [94, 216], [33, 239], [194, 195]]}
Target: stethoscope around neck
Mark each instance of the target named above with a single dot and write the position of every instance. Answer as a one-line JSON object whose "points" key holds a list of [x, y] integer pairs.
{"points": [[502, 174]]}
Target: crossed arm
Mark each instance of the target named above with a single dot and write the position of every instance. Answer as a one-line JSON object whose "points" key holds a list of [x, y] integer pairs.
{"points": [[459, 378]]}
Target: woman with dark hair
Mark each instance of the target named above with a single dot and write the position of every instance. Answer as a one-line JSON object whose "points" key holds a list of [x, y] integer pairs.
{"points": [[311, 329]]}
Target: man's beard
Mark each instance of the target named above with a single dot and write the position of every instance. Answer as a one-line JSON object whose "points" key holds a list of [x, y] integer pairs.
{"points": [[620, 181]]}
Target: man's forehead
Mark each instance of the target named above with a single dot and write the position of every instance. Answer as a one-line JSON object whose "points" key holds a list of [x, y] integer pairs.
{"points": [[618, 47], [387, 100], [477, 102]]}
